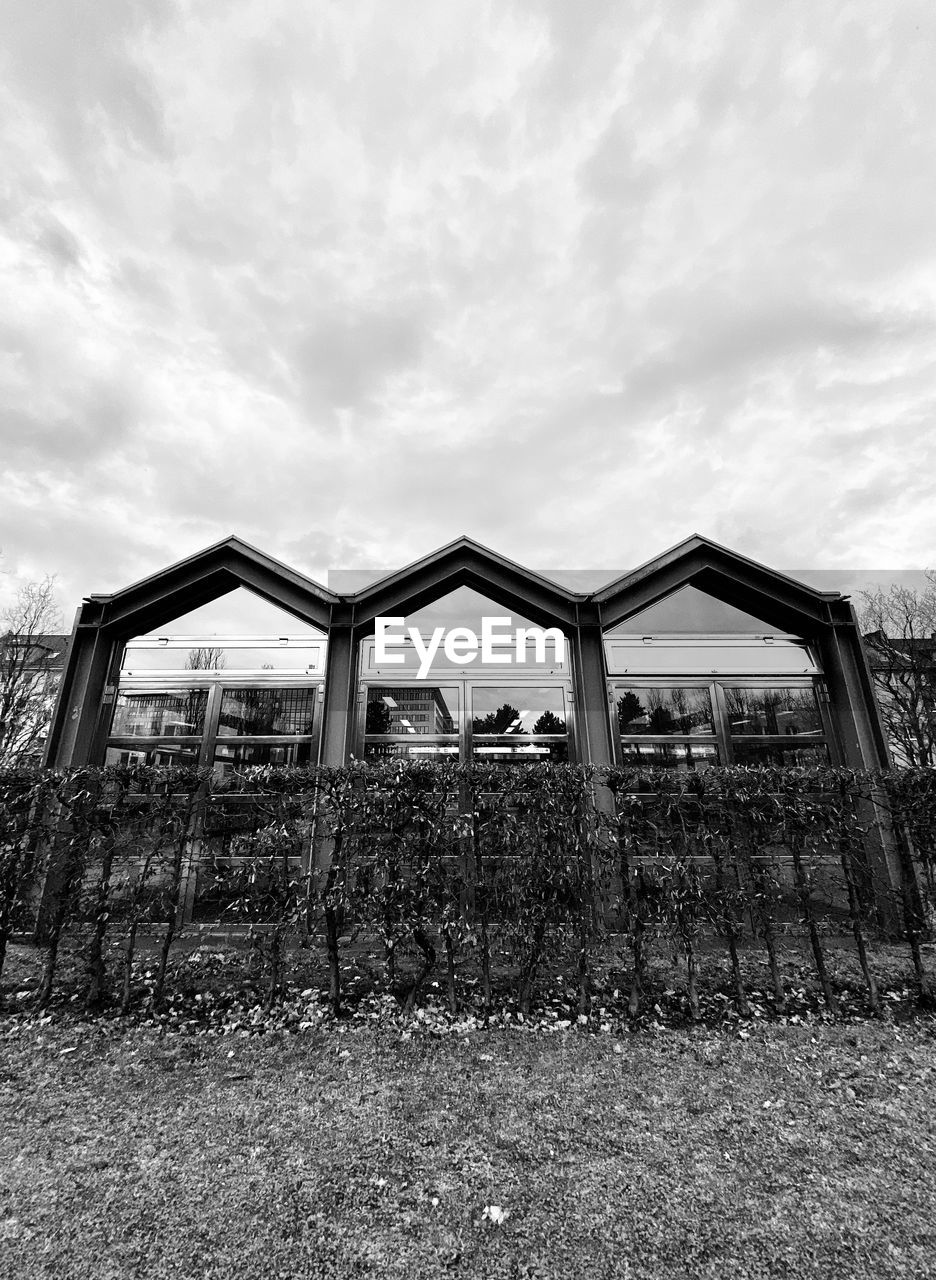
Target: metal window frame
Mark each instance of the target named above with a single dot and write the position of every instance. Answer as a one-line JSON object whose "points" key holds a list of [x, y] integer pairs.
{"points": [[311, 671], [723, 736], [465, 686], [209, 737]]}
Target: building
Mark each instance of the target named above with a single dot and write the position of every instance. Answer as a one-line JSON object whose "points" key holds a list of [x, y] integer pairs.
{"points": [[699, 657], [30, 671], [904, 672]]}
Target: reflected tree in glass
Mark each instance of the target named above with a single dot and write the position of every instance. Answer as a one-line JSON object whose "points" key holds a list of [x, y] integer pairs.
{"points": [[549, 723], [205, 658], [498, 721], [377, 719], [629, 710]]}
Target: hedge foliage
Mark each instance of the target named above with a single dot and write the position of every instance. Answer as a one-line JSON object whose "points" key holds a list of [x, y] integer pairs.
{"points": [[542, 862]]}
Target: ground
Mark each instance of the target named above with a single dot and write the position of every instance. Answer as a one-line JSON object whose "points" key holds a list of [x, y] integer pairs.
{"points": [[386, 1150]]}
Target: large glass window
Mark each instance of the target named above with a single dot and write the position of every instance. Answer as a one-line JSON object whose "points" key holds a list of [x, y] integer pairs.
{"points": [[672, 726], [664, 711], [519, 724], [411, 709], [691, 725], [229, 727], [263, 712], [217, 698], [159, 713], [414, 722], [501, 724], [785, 712], [521, 711]]}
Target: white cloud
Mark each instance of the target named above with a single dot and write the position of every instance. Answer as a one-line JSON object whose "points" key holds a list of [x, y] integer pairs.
{"points": [[576, 280]]}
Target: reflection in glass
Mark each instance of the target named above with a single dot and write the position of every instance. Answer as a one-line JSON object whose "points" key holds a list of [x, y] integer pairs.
{"points": [[244, 755], [685, 656], [179, 754], [691, 611], [527, 710], [403, 750], [788, 712], [807, 756], [266, 711], [162, 713], [411, 709], [680, 756], [510, 751], [664, 711], [274, 657]]}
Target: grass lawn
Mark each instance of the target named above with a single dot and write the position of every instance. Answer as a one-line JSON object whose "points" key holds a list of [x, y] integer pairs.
{"points": [[777, 1150]]}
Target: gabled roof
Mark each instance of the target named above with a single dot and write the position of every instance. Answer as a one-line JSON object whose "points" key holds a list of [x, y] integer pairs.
{"points": [[697, 561], [198, 579], [464, 562], [203, 577]]}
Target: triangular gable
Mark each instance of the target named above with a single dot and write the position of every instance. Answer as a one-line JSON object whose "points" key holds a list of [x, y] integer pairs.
{"points": [[205, 576], [465, 563], [784, 603]]}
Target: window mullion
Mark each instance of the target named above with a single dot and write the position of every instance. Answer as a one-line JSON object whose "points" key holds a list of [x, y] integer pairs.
{"points": [[720, 710], [212, 715]]}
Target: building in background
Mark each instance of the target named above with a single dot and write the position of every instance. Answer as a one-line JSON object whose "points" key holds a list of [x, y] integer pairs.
{"points": [[30, 670], [904, 672]]}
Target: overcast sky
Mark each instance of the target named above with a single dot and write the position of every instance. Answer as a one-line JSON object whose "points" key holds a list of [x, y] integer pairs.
{"points": [[349, 279]]}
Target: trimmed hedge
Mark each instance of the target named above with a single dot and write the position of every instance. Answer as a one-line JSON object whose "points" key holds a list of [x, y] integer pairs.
{"points": [[545, 862]]}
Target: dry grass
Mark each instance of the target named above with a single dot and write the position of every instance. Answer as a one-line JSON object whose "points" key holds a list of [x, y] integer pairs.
{"points": [[798, 1151]]}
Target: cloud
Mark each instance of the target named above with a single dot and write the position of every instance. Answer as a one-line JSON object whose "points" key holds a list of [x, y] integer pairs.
{"points": [[575, 280]]}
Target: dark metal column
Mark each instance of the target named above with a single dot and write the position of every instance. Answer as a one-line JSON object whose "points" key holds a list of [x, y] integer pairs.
{"points": [[592, 723], [340, 682], [79, 708], [851, 690], [860, 731]]}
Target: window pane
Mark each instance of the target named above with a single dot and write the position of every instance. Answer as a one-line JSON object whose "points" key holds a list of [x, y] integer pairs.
{"points": [[790, 712], [162, 713], [163, 753], [274, 657], [244, 755], [266, 711], [691, 611], [650, 655], [663, 711], [680, 756], [510, 751], [411, 709], [403, 750], [522, 710], [810, 756]]}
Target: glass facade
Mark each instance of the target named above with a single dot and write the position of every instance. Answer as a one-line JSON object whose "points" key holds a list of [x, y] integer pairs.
{"points": [[678, 699], [497, 723], [652, 670], [691, 726], [159, 713], [176, 703]]}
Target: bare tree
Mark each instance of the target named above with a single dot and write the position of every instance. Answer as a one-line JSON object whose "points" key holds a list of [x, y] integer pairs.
{"points": [[30, 656], [206, 658], [900, 635]]}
